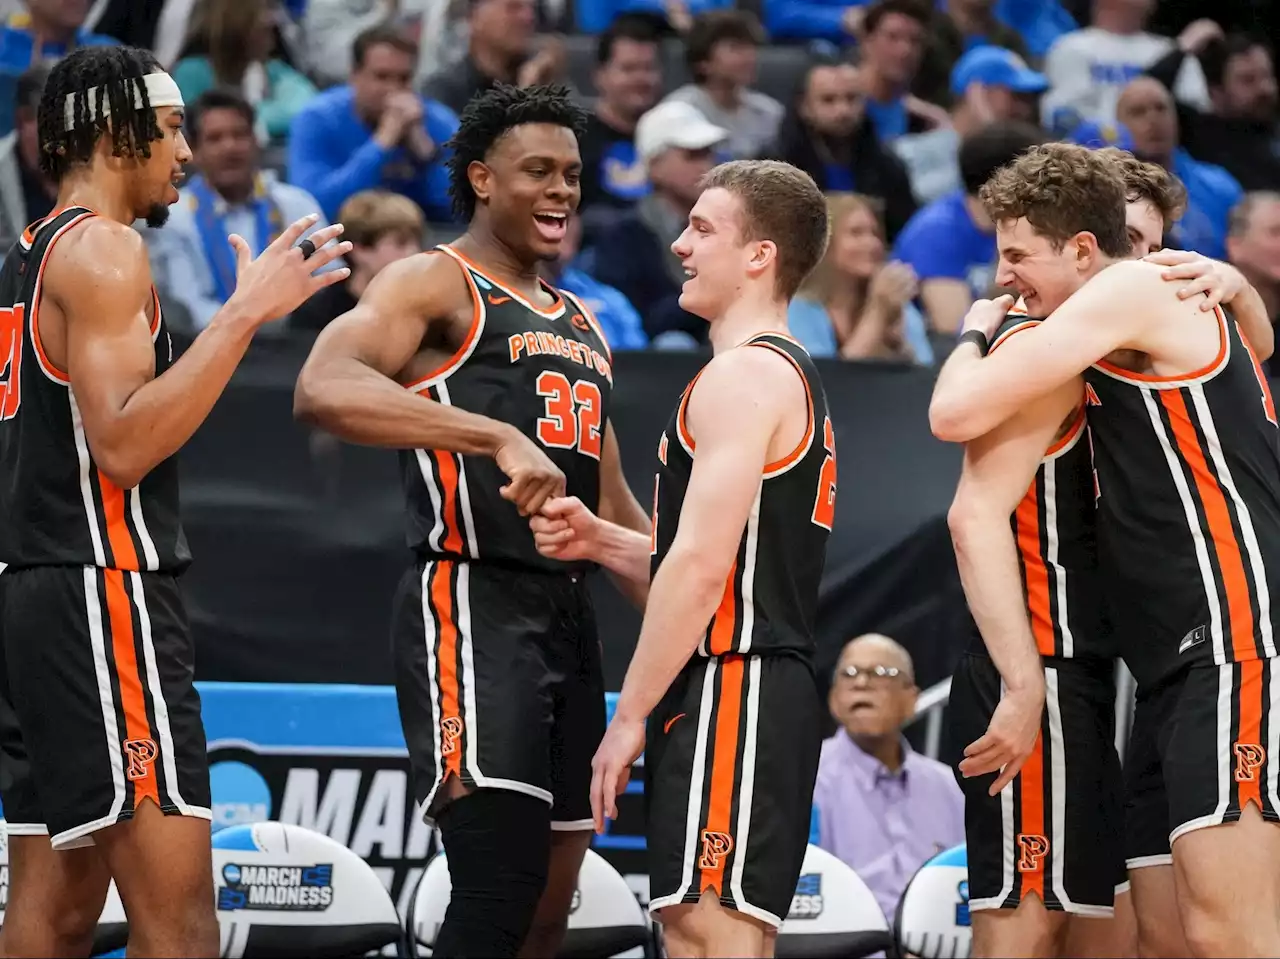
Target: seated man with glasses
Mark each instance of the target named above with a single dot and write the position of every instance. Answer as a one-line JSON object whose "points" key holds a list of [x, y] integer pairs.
{"points": [[882, 808]]}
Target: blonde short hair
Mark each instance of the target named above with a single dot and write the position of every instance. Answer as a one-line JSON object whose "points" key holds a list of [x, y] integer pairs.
{"points": [[370, 215]]}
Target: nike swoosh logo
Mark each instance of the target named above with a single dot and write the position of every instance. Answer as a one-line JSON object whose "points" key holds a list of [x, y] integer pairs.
{"points": [[498, 300], [666, 727]]}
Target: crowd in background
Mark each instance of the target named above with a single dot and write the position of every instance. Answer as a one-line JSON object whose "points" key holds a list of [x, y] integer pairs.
{"points": [[899, 109]]}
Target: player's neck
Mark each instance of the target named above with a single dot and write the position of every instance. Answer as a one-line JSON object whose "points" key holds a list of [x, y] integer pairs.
{"points": [[84, 188], [481, 245], [748, 317]]}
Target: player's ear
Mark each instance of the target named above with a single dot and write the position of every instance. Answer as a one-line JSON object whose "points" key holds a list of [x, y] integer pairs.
{"points": [[481, 180], [1086, 249], [763, 253]]}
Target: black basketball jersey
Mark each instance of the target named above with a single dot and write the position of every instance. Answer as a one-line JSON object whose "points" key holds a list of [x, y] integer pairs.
{"points": [[547, 372], [771, 595], [1188, 508], [1054, 529], [58, 507]]}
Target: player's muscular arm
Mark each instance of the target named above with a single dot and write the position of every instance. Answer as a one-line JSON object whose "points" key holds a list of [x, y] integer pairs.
{"points": [[347, 386], [733, 412], [99, 279], [1114, 310]]}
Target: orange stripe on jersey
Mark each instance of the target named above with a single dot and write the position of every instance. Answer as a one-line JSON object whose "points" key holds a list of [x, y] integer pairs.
{"points": [[1072, 432], [468, 341], [805, 440], [725, 620], [448, 467], [447, 656], [1223, 340], [682, 425], [137, 730], [724, 766], [1032, 841], [1249, 786], [1036, 573], [123, 553], [1029, 324], [59, 375], [1218, 518]]}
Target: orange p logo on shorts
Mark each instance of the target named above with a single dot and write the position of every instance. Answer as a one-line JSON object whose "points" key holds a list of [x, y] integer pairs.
{"points": [[715, 846], [1031, 849], [140, 754], [1249, 756], [450, 732]]}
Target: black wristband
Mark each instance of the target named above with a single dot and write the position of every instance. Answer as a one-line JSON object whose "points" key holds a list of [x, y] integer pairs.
{"points": [[977, 338]]}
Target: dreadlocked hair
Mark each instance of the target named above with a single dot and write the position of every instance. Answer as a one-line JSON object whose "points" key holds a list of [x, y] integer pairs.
{"points": [[116, 73], [490, 115]]}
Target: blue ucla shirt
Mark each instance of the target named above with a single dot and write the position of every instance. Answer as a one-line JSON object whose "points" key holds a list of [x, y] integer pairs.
{"points": [[942, 242]]}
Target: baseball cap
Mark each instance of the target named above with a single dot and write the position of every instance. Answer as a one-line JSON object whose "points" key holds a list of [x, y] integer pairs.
{"points": [[674, 123], [1094, 134], [996, 66]]}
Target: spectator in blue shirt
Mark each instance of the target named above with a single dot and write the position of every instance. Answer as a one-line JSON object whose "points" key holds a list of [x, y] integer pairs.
{"points": [[618, 319], [595, 16], [375, 132], [951, 243], [1146, 109], [1038, 22], [50, 29], [893, 39], [192, 258]]}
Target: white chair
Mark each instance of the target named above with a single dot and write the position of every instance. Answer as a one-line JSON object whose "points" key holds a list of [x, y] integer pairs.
{"points": [[284, 890], [933, 917], [605, 919], [112, 932], [833, 913]]}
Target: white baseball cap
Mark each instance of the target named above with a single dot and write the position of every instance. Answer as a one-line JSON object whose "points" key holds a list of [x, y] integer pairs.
{"points": [[674, 123]]}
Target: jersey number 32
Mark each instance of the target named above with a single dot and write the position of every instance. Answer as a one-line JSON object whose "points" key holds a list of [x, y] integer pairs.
{"points": [[10, 361]]}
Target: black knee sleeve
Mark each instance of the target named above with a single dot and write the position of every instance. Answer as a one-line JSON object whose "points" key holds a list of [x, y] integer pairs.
{"points": [[499, 847]]}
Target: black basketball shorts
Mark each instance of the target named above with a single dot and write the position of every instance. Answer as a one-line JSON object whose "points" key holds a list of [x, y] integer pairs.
{"points": [[1055, 830], [1202, 747], [731, 756], [100, 710], [500, 683]]}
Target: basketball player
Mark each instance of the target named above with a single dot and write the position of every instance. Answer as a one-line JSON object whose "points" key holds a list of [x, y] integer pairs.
{"points": [[723, 671], [108, 747], [1188, 495], [497, 387]]}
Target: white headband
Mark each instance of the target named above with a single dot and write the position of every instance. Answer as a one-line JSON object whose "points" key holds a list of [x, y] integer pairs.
{"points": [[161, 92]]}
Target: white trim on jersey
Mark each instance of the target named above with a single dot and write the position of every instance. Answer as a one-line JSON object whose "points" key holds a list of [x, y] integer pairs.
{"points": [[1248, 537], [1223, 753], [464, 492], [748, 589], [693, 816], [35, 298], [86, 485], [1063, 620], [106, 696], [1146, 862], [1193, 524], [1058, 803], [1273, 734], [456, 362], [161, 708], [429, 639], [437, 500], [144, 535]]}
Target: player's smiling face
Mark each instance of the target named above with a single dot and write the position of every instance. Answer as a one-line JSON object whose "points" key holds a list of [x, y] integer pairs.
{"points": [[1043, 276], [713, 253], [530, 180]]}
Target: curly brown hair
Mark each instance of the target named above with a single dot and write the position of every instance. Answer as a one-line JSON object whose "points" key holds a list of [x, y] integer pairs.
{"points": [[781, 203], [1062, 189], [1150, 182]]}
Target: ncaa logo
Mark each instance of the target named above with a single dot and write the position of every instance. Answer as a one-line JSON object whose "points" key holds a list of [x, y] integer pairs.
{"points": [[240, 795], [807, 902]]}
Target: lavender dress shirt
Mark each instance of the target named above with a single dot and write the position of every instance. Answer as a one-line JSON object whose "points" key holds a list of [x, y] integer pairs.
{"points": [[884, 824]]}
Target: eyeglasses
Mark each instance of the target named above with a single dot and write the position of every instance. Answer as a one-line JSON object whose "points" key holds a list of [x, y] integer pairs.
{"points": [[876, 675]]}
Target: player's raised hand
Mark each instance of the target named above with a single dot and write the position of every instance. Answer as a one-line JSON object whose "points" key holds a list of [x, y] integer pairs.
{"points": [[565, 530], [611, 767], [985, 316], [534, 478], [1218, 282], [1009, 739], [283, 278]]}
